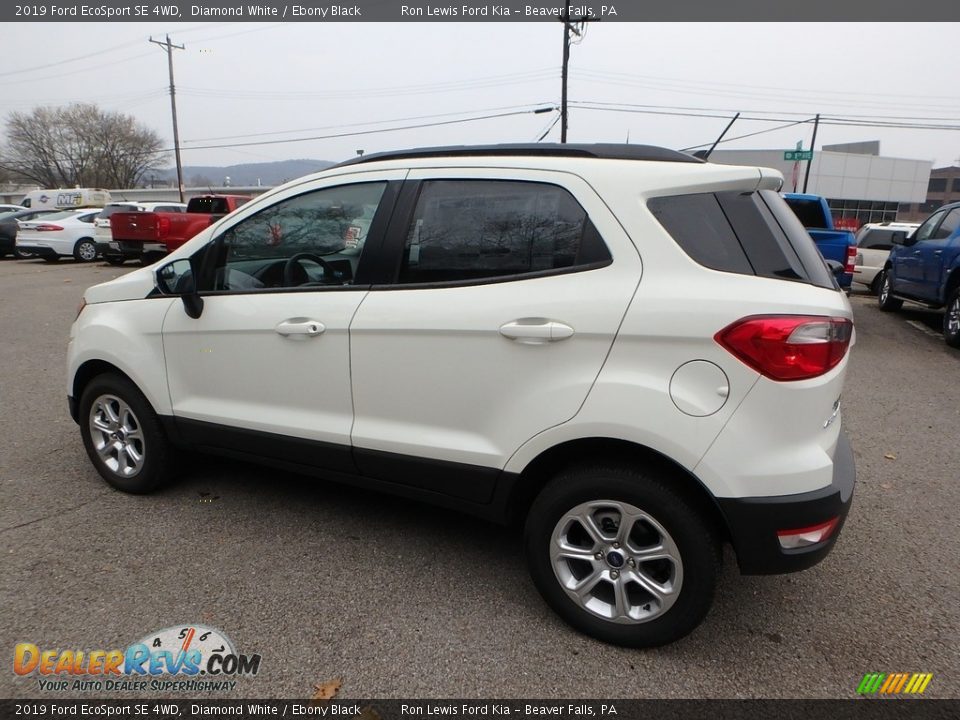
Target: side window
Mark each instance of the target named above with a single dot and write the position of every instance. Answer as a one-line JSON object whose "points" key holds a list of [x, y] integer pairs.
{"points": [[877, 240], [698, 225], [926, 230], [466, 230], [313, 239], [948, 227]]}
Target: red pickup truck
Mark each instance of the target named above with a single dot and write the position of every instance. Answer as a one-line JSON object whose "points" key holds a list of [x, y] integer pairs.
{"points": [[147, 235]]}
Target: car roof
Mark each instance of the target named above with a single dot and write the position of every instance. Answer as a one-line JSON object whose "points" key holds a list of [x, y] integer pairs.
{"points": [[608, 151]]}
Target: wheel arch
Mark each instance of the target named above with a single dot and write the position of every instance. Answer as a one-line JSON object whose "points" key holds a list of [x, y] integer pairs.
{"points": [[952, 283], [87, 372], [539, 471]]}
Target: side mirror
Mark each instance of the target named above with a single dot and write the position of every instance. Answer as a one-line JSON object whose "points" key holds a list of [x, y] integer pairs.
{"points": [[898, 237], [836, 268], [179, 278]]}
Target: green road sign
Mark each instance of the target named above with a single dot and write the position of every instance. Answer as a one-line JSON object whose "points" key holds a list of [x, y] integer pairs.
{"points": [[798, 154]]}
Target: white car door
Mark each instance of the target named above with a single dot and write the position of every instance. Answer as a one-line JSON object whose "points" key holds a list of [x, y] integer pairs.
{"points": [[504, 307], [265, 368]]}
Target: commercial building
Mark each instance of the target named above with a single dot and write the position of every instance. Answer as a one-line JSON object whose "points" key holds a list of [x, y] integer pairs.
{"points": [[943, 188], [860, 185]]}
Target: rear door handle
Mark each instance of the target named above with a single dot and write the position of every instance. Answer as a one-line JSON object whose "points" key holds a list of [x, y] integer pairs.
{"points": [[300, 326], [536, 331]]}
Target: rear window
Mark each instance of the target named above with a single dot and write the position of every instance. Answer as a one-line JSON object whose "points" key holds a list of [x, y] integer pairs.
{"points": [[877, 239], [749, 233], [111, 209], [810, 213], [211, 205]]}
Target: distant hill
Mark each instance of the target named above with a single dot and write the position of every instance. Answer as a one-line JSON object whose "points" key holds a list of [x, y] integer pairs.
{"points": [[246, 174]]}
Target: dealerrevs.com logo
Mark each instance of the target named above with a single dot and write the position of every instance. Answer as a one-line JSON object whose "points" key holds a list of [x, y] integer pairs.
{"points": [[187, 658]]}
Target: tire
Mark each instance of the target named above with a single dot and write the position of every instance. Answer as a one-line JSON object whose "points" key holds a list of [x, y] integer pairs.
{"points": [[113, 411], [114, 260], [687, 580], [21, 255], [85, 250], [951, 319], [885, 300], [875, 284]]}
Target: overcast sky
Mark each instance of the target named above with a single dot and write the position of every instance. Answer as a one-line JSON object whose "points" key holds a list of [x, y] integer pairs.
{"points": [[286, 81]]}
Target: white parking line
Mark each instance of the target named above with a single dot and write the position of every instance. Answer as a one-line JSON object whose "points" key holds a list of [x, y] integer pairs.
{"points": [[923, 328]]}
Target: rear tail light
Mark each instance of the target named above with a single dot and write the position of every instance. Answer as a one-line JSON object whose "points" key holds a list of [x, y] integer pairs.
{"points": [[163, 226], [851, 259], [804, 537], [788, 347], [47, 227]]}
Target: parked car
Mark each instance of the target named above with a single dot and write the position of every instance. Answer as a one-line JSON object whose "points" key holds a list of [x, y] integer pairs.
{"points": [[68, 233], [873, 248], [638, 355], [151, 235], [111, 250], [833, 243], [925, 267], [11, 208], [10, 226]]}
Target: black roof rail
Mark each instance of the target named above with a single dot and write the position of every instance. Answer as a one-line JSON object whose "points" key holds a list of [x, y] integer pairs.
{"points": [[609, 151]]}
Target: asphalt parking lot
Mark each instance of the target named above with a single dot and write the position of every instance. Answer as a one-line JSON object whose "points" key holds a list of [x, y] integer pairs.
{"points": [[403, 600]]}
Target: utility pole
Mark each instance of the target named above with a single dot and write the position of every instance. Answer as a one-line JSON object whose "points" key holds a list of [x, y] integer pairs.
{"points": [[168, 47], [568, 27], [813, 145]]}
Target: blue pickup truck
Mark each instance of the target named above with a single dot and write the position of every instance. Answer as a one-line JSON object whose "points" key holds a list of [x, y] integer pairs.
{"points": [[925, 267], [837, 245]]}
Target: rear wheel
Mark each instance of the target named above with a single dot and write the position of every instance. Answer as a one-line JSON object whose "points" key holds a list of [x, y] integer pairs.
{"points": [[875, 285], [885, 299], [622, 556], [85, 250], [22, 254], [122, 435], [951, 320]]}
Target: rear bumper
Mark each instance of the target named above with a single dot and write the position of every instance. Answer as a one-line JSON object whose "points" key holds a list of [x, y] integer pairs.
{"points": [[754, 522], [41, 251]]}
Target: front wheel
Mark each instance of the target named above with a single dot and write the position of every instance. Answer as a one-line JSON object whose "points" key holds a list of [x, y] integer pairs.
{"points": [[122, 435], [885, 299], [621, 555], [951, 320], [85, 250]]}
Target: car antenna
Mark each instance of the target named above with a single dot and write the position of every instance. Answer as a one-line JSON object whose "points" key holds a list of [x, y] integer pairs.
{"points": [[706, 155]]}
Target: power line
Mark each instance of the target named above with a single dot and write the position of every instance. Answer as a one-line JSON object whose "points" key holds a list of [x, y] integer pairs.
{"points": [[526, 106], [21, 71]]}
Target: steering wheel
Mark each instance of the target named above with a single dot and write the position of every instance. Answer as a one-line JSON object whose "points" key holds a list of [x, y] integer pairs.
{"points": [[294, 262]]}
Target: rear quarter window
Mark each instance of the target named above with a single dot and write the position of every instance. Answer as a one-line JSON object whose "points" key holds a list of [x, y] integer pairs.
{"points": [[748, 233]]}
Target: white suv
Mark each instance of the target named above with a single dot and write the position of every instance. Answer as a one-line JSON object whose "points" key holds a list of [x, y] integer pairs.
{"points": [[636, 354]]}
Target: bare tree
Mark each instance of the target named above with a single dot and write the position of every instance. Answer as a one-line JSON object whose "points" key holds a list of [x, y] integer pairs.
{"points": [[80, 145]]}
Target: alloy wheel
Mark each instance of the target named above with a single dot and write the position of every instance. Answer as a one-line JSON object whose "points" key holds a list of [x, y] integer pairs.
{"points": [[616, 561], [117, 436]]}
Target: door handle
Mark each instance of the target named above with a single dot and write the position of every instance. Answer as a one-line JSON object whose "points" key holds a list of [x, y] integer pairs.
{"points": [[536, 331], [299, 326]]}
